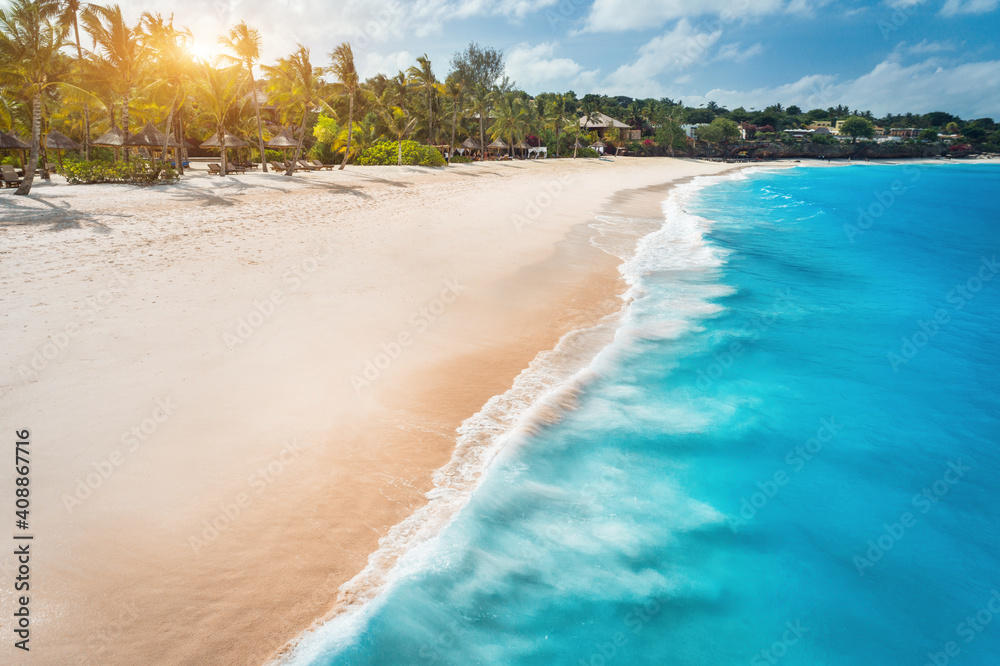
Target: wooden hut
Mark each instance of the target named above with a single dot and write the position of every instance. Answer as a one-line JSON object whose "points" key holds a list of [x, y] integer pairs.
{"points": [[56, 140], [11, 142]]}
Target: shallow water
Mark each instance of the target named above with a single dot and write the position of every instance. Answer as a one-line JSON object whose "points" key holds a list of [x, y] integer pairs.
{"points": [[788, 454]]}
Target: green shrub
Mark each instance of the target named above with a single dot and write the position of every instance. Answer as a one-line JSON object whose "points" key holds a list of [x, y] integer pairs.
{"points": [[385, 153], [136, 172], [461, 159]]}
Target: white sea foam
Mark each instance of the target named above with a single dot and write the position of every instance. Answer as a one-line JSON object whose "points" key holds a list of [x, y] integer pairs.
{"points": [[538, 395]]}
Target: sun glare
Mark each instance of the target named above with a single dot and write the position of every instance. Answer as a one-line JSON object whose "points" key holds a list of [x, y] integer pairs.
{"points": [[204, 51]]}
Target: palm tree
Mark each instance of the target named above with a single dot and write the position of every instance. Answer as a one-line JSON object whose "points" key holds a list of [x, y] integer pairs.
{"points": [[454, 91], [590, 110], [69, 16], [244, 42], [31, 63], [511, 117], [295, 80], [557, 117], [481, 104], [170, 48], [349, 83], [122, 48], [399, 125], [218, 91], [423, 78]]}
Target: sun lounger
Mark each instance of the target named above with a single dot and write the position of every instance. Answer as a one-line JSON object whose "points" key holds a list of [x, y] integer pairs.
{"points": [[9, 175], [320, 165], [216, 169], [305, 165]]}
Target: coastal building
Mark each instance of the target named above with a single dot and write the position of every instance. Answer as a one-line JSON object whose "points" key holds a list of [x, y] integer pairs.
{"points": [[904, 132], [601, 123], [692, 130]]}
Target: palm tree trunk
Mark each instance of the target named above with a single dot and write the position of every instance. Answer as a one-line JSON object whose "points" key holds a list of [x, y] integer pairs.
{"points": [[482, 139], [125, 102], [260, 129], [222, 142], [168, 130], [86, 108], [36, 130], [350, 128], [302, 138], [179, 149], [454, 122], [399, 156], [557, 140], [430, 117]]}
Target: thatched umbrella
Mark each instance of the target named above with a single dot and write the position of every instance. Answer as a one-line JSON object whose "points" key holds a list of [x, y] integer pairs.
{"points": [[521, 145], [498, 145], [232, 141], [281, 140], [56, 140], [11, 142], [113, 138]]}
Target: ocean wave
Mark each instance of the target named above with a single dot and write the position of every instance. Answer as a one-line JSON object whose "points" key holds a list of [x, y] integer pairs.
{"points": [[539, 396]]}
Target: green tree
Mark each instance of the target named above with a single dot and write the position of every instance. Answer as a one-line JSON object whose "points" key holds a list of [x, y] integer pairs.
{"points": [[929, 135], [454, 92], [244, 44], [422, 77], [31, 64], [69, 15], [218, 91], [122, 49], [855, 127], [296, 81], [169, 48], [347, 84], [671, 135], [511, 118]]}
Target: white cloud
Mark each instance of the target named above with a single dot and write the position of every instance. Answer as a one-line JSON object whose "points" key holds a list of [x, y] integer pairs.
{"points": [[620, 15], [926, 47], [737, 53], [388, 63], [954, 7], [535, 68], [891, 87], [681, 47]]}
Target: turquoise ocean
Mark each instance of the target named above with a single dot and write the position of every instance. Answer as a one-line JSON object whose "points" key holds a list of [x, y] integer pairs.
{"points": [[788, 454]]}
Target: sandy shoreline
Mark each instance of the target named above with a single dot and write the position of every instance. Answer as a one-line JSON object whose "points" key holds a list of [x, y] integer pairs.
{"points": [[236, 387]]}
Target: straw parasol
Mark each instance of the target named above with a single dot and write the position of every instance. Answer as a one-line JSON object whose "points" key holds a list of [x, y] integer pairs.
{"points": [[498, 144], [598, 144], [232, 141], [469, 144], [56, 140], [11, 142], [113, 138], [281, 140], [521, 145], [150, 137]]}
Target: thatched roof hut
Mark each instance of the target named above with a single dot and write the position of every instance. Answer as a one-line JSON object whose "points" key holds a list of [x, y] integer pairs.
{"points": [[280, 140], [498, 145], [232, 141], [11, 142], [113, 138], [598, 144], [521, 145], [469, 144], [150, 137], [56, 140]]}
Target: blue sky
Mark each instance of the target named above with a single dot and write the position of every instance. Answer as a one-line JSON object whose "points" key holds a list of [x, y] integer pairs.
{"points": [[887, 56]]}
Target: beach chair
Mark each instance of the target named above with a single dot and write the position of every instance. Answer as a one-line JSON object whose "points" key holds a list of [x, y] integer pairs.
{"points": [[309, 167], [215, 169], [9, 175], [320, 165]]}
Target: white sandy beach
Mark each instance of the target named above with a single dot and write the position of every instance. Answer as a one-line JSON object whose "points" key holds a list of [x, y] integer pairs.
{"points": [[235, 387]]}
